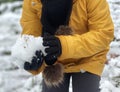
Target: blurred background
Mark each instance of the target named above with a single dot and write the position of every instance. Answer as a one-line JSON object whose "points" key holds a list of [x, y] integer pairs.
{"points": [[13, 79]]}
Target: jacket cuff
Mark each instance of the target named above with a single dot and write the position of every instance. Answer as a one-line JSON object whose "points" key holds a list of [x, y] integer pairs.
{"points": [[64, 46], [36, 72]]}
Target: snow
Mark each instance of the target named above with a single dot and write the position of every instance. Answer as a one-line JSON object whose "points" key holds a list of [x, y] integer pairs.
{"points": [[110, 81], [13, 79], [24, 49]]}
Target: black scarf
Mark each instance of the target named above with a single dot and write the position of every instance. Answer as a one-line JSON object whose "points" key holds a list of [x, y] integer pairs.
{"points": [[54, 14]]}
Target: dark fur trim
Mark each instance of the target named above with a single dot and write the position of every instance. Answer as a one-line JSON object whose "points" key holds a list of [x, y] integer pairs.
{"points": [[64, 30], [53, 75]]}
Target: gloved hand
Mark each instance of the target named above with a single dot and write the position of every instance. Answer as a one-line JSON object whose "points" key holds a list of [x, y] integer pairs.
{"points": [[53, 49], [36, 61]]}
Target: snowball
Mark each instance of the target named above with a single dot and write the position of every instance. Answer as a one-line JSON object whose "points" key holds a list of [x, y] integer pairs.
{"points": [[25, 48]]}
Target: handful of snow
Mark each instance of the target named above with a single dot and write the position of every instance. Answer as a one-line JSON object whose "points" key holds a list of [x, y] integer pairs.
{"points": [[25, 48]]}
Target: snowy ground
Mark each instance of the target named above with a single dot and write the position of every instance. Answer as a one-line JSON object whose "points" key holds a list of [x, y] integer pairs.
{"points": [[13, 79]]}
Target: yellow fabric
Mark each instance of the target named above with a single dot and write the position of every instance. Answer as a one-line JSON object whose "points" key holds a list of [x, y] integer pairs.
{"points": [[93, 28]]}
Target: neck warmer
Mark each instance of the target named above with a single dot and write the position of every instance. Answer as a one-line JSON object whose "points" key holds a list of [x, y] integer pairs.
{"points": [[54, 14]]}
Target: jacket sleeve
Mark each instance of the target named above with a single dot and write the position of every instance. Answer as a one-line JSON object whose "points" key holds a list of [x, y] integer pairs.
{"points": [[100, 33], [31, 25], [30, 21]]}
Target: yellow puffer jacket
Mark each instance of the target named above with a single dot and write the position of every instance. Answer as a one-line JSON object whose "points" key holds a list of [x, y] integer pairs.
{"points": [[87, 48]]}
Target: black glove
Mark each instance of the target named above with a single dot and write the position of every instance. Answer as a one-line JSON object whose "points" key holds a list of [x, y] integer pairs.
{"points": [[36, 61], [53, 49]]}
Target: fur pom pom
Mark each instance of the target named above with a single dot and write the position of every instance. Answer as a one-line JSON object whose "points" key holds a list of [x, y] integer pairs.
{"points": [[53, 75], [64, 30]]}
